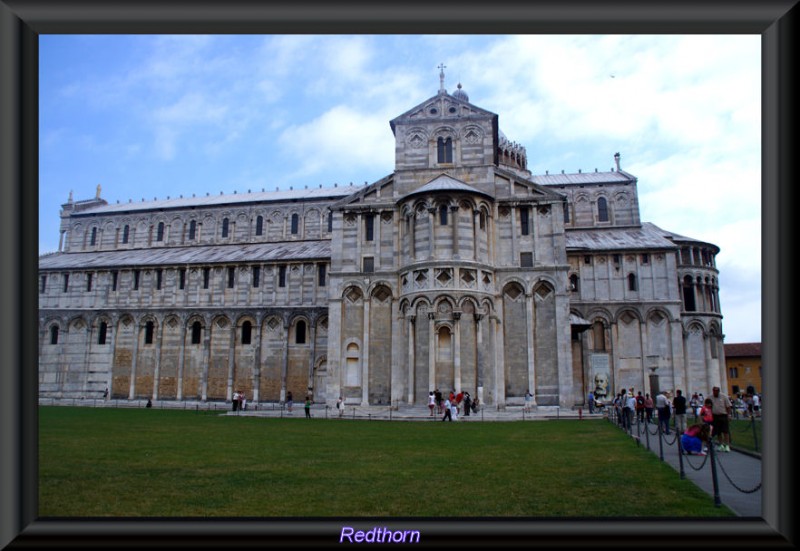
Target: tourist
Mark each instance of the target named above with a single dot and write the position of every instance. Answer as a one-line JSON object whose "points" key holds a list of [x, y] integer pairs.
{"points": [[149, 403], [289, 402], [648, 407], [693, 438], [340, 406], [662, 408], [307, 407], [705, 413], [437, 394], [467, 403], [756, 405], [640, 407], [679, 403], [590, 399], [447, 414], [235, 401], [721, 410], [454, 410], [528, 400], [475, 405], [242, 401], [431, 402]]}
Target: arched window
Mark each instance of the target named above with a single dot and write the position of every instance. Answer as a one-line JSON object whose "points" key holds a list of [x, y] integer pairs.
{"points": [[443, 215], [566, 213], [300, 332], [688, 294], [295, 223], [160, 232], [599, 336], [631, 282], [602, 210], [196, 331], [54, 334], [369, 227], [126, 233], [93, 240], [192, 229], [101, 333], [224, 227], [247, 329], [574, 283], [148, 332], [259, 225], [330, 221], [444, 150]]}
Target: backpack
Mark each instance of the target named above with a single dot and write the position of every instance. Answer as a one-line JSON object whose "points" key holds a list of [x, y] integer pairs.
{"points": [[639, 401]]}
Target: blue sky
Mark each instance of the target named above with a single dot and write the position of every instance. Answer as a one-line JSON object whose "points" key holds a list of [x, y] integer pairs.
{"points": [[150, 116]]}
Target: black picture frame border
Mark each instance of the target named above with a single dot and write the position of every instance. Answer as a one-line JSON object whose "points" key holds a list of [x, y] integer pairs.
{"points": [[22, 21]]}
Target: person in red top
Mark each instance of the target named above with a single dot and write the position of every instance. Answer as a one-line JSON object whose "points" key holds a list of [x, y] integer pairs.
{"points": [[705, 412]]}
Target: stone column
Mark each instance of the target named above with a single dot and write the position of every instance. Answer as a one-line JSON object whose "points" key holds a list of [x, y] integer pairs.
{"points": [[454, 215], [645, 347], [457, 350], [411, 358], [181, 355], [480, 356], [431, 227], [614, 360], [157, 370], [112, 333], [431, 351], [365, 356], [132, 390], [231, 361], [312, 334], [284, 360], [531, 338], [206, 358], [476, 224], [257, 370], [499, 361]]}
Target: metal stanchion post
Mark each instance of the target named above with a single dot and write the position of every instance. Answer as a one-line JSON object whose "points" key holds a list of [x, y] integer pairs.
{"points": [[714, 480], [647, 434], [660, 443], [680, 455]]}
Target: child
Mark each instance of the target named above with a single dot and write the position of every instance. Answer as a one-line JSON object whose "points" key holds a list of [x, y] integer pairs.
{"points": [[705, 412], [692, 440]]}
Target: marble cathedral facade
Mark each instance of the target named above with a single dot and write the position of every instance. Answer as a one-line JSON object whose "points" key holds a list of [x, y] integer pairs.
{"points": [[460, 270]]}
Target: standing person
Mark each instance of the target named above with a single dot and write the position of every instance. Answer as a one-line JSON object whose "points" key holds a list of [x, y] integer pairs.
{"points": [[235, 401], [528, 400], [105, 394], [679, 404], [467, 403], [628, 405], [289, 402], [475, 404], [640, 407], [454, 410], [459, 398], [431, 402], [447, 415], [631, 409], [662, 407], [340, 406], [756, 405], [721, 410], [307, 407], [590, 399], [242, 401], [438, 395], [705, 413], [648, 407]]}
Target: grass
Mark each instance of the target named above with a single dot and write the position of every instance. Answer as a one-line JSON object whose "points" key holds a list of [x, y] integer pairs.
{"points": [[100, 462], [742, 434]]}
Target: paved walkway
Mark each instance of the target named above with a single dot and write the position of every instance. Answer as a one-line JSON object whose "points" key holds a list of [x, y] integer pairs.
{"points": [[736, 471]]}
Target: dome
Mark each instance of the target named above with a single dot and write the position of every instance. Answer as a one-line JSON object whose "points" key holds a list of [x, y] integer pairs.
{"points": [[460, 94]]}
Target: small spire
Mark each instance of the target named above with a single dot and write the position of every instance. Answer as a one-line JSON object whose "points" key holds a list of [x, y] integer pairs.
{"points": [[616, 160], [97, 195], [69, 199], [442, 67]]}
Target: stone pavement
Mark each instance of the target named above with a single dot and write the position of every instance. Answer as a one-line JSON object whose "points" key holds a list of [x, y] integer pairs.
{"points": [[738, 472]]}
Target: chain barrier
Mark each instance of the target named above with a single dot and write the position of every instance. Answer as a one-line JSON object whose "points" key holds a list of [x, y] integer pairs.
{"points": [[689, 461], [674, 438], [722, 468]]}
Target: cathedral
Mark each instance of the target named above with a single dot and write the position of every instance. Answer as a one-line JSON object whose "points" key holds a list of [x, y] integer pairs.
{"points": [[460, 270]]}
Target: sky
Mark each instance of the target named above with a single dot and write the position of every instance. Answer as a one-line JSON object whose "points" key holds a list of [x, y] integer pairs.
{"points": [[149, 116]]}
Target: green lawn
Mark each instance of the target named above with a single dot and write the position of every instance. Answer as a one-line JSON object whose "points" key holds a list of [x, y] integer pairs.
{"points": [[148, 462], [742, 434]]}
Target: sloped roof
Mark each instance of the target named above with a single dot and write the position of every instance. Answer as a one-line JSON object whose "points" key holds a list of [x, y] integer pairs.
{"points": [[743, 350], [208, 254], [583, 178], [443, 182], [478, 110], [229, 199], [648, 236]]}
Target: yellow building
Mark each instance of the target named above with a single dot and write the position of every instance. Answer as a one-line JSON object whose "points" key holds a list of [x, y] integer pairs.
{"points": [[743, 361]]}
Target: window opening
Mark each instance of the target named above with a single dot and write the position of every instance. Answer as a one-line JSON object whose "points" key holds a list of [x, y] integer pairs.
{"points": [[566, 213], [159, 278], [196, 329], [631, 282], [369, 227], [206, 277], [101, 333], [256, 276], [182, 278], [526, 260], [93, 240], [282, 276], [300, 332], [54, 334], [295, 223], [444, 150], [442, 215], [88, 281], [523, 220], [192, 230], [148, 332], [321, 275], [369, 264], [602, 210], [574, 283], [43, 284], [225, 227], [135, 280], [66, 282], [160, 232], [247, 329], [125, 233], [259, 225], [114, 278], [231, 276]]}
